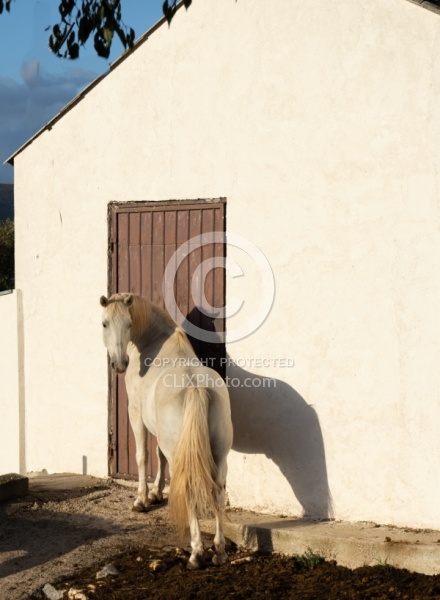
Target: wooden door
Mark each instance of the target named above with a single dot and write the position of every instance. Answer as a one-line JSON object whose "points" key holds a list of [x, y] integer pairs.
{"points": [[143, 238]]}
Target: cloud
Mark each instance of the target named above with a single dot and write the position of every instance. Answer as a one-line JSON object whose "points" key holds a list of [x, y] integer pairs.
{"points": [[46, 89], [13, 99], [26, 106]]}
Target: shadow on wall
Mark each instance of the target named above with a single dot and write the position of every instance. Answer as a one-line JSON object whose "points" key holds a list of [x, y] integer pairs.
{"points": [[270, 417]]}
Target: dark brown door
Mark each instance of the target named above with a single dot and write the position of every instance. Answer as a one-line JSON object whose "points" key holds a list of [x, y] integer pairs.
{"points": [[143, 239]]}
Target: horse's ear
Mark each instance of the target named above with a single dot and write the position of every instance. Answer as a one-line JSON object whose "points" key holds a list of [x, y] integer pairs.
{"points": [[103, 301], [128, 301]]}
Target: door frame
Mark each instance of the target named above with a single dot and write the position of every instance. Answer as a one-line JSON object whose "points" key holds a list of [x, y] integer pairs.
{"points": [[114, 209]]}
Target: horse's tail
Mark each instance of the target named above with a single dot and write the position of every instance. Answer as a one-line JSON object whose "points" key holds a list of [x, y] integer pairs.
{"points": [[193, 484]]}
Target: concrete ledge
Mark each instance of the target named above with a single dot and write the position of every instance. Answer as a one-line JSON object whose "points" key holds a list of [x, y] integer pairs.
{"points": [[13, 486], [61, 482], [349, 544]]}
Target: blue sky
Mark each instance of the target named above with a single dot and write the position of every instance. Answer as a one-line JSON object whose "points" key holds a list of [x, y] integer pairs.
{"points": [[35, 84]]}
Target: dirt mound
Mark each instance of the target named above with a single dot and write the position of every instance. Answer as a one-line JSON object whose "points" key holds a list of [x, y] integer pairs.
{"points": [[162, 574]]}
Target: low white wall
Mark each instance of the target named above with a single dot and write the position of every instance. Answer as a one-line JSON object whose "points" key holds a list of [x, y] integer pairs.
{"points": [[9, 385]]}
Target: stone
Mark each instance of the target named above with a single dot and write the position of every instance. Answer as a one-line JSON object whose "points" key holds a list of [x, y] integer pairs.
{"points": [[107, 570], [74, 594], [238, 561], [157, 565], [51, 593]]}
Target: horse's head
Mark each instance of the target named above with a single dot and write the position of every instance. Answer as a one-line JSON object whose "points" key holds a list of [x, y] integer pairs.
{"points": [[116, 324]]}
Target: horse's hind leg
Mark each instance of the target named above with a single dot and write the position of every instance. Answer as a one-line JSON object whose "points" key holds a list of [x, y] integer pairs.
{"points": [[220, 556], [196, 560], [156, 494], [140, 436]]}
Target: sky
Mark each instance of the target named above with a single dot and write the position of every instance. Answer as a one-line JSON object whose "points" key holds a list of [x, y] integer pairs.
{"points": [[34, 83]]}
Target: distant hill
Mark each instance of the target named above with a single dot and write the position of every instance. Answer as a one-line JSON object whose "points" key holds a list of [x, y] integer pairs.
{"points": [[6, 201]]}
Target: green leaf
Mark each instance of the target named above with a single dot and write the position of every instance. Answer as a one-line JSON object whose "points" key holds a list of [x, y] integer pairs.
{"points": [[168, 11], [72, 46], [56, 31], [84, 29], [122, 36], [101, 48], [108, 36], [73, 50], [130, 38], [6, 255]]}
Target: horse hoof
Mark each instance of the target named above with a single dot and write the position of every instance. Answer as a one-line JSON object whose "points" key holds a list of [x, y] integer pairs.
{"points": [[139, 506], [153, 499], [196, 562], [219, 560]]}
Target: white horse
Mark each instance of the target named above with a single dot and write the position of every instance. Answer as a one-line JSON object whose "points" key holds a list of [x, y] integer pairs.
{"points": [[180, 401]]}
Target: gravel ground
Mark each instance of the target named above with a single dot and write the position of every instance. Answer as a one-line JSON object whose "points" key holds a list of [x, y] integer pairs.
{"points": [[65, 536], [54, 533]]}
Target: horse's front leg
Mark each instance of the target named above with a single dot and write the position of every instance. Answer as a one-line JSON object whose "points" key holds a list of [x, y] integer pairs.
{"points": [[140, 435], [156, 494]]}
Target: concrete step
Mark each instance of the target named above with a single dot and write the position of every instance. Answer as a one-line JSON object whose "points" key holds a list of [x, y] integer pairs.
{"points": [[349, 544]]}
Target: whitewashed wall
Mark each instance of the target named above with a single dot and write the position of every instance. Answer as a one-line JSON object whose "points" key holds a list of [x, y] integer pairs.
{"points": [[319, 122], [11, 417]]}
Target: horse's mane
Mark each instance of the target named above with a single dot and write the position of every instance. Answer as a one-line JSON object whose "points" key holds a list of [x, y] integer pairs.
{"points": [[147, 316], [183, 341]]}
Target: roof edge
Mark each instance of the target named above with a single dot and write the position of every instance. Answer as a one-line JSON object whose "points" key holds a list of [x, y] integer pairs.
{"points": [[141, 40], [432, 5]]}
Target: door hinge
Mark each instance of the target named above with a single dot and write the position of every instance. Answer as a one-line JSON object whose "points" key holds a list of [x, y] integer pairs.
{"points": [[112, 445]]}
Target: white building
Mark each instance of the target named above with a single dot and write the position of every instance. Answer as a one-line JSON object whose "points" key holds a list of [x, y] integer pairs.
{"points": [[319, 123]]}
